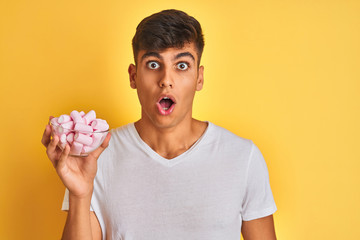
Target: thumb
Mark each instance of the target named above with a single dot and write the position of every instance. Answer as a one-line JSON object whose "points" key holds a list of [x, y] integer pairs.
{"points": [[96, 153]]}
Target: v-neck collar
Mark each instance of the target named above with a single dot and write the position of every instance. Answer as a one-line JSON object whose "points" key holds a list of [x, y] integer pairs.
{"points": [[157, 157]]}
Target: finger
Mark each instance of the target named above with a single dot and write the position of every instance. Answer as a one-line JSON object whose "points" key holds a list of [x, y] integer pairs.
{"points": [[63, 158], [46, 136], [50, 117], [102, 147], [51, 150], [52, 145]]}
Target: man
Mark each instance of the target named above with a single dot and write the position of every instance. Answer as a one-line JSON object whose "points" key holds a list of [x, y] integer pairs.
{"points": [[166, 176]]}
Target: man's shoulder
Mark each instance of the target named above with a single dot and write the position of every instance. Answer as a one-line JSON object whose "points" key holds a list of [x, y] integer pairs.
{"points": [[122, 138], [123, 130], [123, 133], [226, 136]]}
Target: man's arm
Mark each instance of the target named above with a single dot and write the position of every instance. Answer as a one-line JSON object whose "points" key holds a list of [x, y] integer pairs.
{"points": [[95, 227], [259, 229], [81, 223], [77, 174]]}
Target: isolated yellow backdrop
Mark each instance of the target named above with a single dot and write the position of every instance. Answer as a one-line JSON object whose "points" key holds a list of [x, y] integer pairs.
{"points": [[285, 74]]}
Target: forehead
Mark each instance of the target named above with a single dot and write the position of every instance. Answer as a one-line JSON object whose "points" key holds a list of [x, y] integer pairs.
{"points": [[188, 50]]}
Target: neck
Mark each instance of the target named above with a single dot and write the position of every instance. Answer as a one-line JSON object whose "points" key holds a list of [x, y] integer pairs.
{"points": [[170, 142]]}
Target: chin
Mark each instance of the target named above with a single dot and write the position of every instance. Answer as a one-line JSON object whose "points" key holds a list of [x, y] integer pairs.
{"points": [[164, 122]]}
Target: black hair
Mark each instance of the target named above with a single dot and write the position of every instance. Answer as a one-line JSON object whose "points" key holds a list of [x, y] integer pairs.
{"points": [[166, 29]]}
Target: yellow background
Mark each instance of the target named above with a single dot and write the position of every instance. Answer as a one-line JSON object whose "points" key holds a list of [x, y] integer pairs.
{"points": [[285, 74]]}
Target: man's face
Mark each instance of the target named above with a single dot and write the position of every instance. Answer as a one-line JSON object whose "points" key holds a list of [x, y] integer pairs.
{"points": [[166, 82]]}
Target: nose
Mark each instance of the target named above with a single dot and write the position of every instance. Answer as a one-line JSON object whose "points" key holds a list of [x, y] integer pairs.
{"points": [[166, 80]]}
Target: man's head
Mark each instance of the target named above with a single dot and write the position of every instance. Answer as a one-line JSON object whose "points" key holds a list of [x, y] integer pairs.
{"points": [[167, 29], [167, 49]]}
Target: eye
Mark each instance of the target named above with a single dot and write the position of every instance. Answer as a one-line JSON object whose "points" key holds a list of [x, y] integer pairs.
{"points": [[153, 65], [182, 66]]}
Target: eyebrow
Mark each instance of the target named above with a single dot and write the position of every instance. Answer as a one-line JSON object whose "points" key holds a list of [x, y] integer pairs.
{"points": [[185, 54], [151, 54], [157, 55]]}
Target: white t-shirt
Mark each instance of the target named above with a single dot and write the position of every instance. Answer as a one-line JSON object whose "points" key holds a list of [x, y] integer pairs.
{"points": [[204, 193]]}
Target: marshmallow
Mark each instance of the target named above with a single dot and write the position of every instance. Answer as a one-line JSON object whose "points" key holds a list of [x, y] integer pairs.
{"points": [[64, 118], [89, 117], [87, 149], [63, 138], [61, 130], [62, 145], [54, 121], [68, 125], [82, 138], [76, 117], [97, 137], [100, 125], [70, 137], [76, 148], [55, 126], [63, 141], [83, 132], [65, 128], [83, 128]]}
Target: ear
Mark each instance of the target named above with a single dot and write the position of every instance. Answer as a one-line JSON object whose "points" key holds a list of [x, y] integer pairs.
{"points": [[132, 75], [200, 79]]}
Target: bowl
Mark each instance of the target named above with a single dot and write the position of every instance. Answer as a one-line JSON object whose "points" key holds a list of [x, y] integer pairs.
{"points": [[81, 143]]}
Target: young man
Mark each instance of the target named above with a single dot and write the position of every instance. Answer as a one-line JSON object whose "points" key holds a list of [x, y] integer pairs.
{"points": [[167, 176]]}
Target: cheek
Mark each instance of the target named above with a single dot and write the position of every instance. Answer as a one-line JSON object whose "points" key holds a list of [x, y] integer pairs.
{"points": [[142, 95], [189, 92], [147, 80], [144, 92]]}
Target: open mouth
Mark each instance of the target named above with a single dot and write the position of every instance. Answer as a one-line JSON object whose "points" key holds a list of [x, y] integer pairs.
{"points": [[166, 105]]}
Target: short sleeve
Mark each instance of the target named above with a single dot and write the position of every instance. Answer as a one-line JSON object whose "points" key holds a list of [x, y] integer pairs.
{"points": [[65, 203], [258, 200]]}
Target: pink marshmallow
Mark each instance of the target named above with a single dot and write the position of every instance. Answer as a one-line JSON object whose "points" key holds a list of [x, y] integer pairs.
{"points": [[82, 138], [54, 121], [83, 128], [64, 118], [62, 145], [87, 149], [76, 148], [63, 141], [61, 130], [89, 130], [63, 138], [68, 125], [89, 117], [76, 117], [57, 129], [70, 137], [100, 125], [97, 137], [65, 128]]}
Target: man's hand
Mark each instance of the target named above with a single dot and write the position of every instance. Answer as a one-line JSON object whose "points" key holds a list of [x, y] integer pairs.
{"points": [[259, 229], [77, 173]]}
